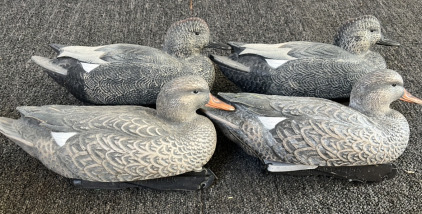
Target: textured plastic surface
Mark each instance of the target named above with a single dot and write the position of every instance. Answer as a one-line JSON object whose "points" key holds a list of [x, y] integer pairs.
{"points": [[370, 173], [187, 181]]}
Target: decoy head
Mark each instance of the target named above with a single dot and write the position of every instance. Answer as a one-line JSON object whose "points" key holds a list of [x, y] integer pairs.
{"points": [[359, 34], [179, 99], [374, 92], [187, 37]]}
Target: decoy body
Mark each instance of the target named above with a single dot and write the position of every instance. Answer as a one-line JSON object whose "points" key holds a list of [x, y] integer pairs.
{"points": [[299, 133], [121, 143], [131, 74], [307, 68]]}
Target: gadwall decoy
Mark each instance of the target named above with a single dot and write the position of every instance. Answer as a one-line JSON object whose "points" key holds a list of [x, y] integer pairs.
{"points": [[308, 69], [128, 74], [121, 143], [301, 133]]}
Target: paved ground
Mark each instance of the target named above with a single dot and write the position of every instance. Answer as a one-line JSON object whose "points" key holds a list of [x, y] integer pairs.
{"points": [[26, 27]]}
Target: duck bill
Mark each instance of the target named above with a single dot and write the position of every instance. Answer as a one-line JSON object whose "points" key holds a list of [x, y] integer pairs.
{"points": [[407, 97], [387, 42], [218, 45], [218, 104]]}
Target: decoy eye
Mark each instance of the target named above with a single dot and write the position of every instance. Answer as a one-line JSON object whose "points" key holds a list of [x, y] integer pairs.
{"points": [[394, 85], [195, 91]]}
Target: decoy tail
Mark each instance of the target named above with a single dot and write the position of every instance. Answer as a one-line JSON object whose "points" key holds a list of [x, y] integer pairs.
{"points": [[218, 45], [245, 99], [219, 117], [57, 47], [8, 129], [49, 65], [6, 126], [229, 64], [236, 46]]}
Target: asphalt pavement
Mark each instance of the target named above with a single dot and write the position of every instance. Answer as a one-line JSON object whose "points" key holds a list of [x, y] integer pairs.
{"points": [[27, 27]]}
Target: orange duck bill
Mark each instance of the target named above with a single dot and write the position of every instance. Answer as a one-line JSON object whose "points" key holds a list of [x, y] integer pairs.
{"points": [[407, 97], [218, 104]]}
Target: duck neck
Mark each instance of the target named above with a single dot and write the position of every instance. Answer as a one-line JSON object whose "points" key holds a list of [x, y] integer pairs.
{"points": [[370, 105], [178, 49], [393, 123], [374, 59], [354, 45], [397, 128], [172, 111]]}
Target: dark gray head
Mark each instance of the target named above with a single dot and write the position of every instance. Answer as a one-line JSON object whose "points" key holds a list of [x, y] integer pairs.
{"points": [[359, 34], [187, 37], [374, 92], [179, 99]]}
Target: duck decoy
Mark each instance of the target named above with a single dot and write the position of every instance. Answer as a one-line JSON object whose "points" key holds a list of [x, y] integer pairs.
{"points": [[122, 143], [127, 74], [304, 133], [308, 69]]}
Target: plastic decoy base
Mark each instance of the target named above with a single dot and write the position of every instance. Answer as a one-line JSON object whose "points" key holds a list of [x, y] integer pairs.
{"points": [[369, 173], [187, 181]]}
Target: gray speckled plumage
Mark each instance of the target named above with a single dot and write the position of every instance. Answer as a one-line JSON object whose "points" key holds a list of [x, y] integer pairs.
{"points": [[120, 143], [303, 68], [313, 132], [129, 74]]}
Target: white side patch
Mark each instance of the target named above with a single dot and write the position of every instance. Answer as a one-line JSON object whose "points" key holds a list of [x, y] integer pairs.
{"points": [[61, 137], [88, 67], [270, 122], [275, 63], [286, 167]]}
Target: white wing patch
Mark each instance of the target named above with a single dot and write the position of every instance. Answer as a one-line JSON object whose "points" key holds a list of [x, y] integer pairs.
{"points": [[286, 167], [84, 54], [61, 137], [275, 63], [270, 122], [270, 51], [89, 67]]}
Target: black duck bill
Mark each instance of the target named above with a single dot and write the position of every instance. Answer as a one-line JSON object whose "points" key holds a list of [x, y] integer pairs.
{"points": [[387, 42], [214, 102], [407, 97]]}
